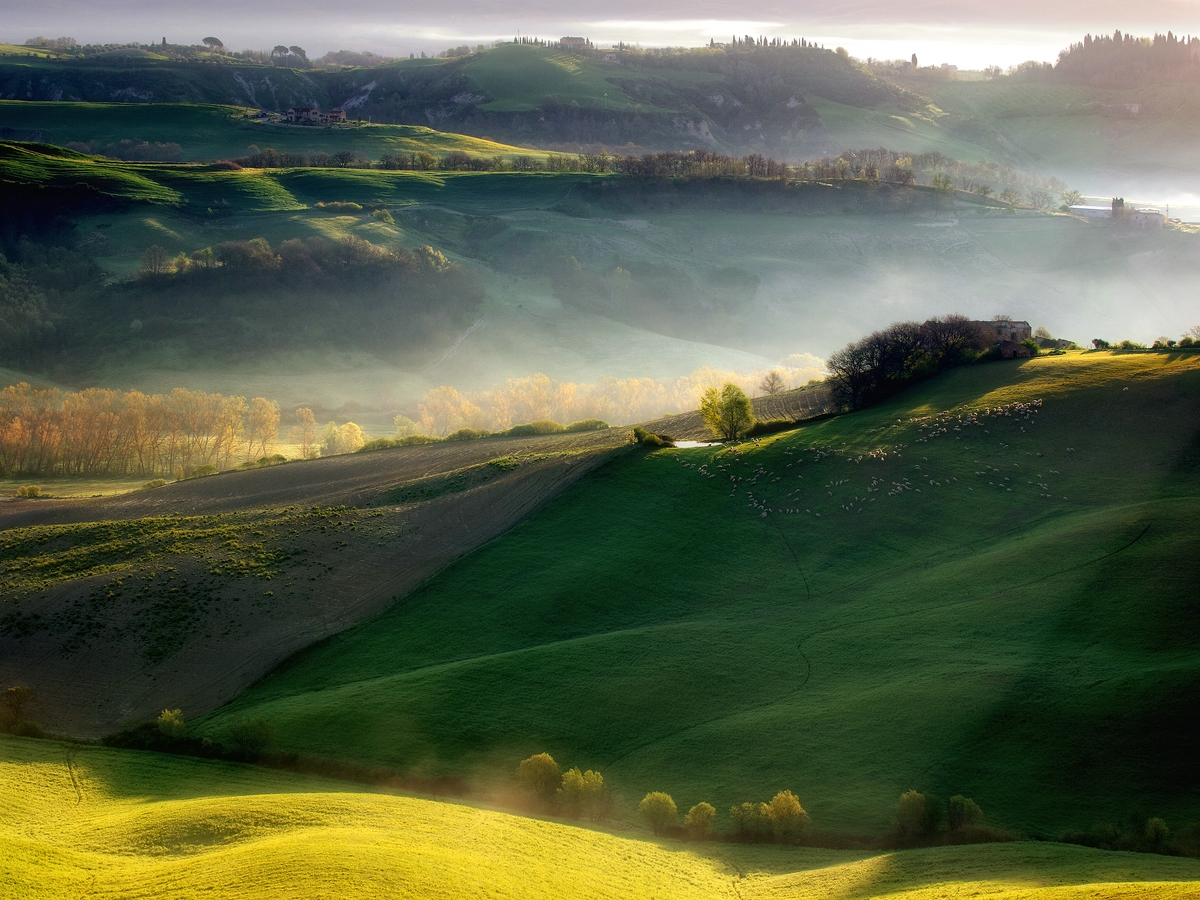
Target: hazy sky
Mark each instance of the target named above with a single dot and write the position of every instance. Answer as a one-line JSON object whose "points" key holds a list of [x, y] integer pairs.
{"points": [[968, 33]]}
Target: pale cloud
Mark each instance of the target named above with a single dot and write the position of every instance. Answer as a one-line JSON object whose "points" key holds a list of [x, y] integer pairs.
{"points": [[962, 32]]}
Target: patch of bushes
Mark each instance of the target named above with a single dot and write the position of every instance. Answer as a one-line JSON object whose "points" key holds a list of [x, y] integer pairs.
{"points": [[650, 439], [530, 429], [262, 462], [412, 440], [154, 483], [1139, 835], [572, 793], [29, 491], [250, 741], [467, 434]]}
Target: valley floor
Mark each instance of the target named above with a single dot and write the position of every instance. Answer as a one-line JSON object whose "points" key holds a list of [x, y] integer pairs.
{"points": [[89, 822]]}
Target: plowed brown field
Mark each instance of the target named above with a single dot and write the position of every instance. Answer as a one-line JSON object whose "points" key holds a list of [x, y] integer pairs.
{"points": [[183, 595]]}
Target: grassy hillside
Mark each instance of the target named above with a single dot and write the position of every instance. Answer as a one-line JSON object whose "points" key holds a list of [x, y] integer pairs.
{"points": [[187, 593], [943, 593], [206, 132], [103, 823]]}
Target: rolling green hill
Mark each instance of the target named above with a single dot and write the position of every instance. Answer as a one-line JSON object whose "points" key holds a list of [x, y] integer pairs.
{"points": [[103, 823], [795, 103], [207, 132], [983, 586]]}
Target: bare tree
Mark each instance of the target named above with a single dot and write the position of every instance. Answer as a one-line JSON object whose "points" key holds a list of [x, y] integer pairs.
{"points": [[772, 383], [155, 261]]}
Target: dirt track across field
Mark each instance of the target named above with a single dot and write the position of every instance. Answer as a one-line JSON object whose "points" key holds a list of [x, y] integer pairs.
{"points": [[235, 572]]}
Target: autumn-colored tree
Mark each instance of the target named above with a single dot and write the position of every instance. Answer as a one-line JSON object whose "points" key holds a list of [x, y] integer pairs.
{"points": [[335, 440], [304, 432], [659, 810], [262, 427]]}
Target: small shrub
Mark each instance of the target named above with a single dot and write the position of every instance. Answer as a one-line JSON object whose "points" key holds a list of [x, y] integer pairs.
{"points": [[1100, 343], [788, 818], [649, 439], [540, 776], [751, 820], [963, 812], [467, 434], [1032, 346], [383, 216], [16, 700], [541, 426], [251, 737], [202, 471], [412, 440], [1187, 342], [170, 723], [1156, 834], [698, 820], [154, 483], [340, 206], [586, 425], [659, 810], [917, 815], [29, 491]]}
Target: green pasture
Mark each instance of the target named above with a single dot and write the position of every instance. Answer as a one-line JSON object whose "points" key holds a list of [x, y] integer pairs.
{"points": [[85, 821], [519, 78], [208, 132], [1000, 609], [856, 127]]}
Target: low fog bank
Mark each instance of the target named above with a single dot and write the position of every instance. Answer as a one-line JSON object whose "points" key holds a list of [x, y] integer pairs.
{"points": [[652, 298]]}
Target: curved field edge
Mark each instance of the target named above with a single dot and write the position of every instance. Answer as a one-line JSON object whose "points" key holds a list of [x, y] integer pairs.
{"points": [[911, 620], [184, 595], [82, 821]]}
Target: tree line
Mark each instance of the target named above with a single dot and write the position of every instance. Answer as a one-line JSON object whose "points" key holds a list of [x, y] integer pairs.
{"points": [[105, 432], [885, 362], [872, 165]]}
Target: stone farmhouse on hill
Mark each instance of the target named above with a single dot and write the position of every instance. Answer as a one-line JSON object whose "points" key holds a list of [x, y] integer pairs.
{"points": [[575, 43], [1007, 330]]}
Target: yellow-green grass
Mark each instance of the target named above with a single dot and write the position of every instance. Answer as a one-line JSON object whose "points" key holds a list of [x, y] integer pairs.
{"points": [[201, 187], [66, 486], [83, 821], [1022, 636], [209, 131], [21, 50], [519, 78]]}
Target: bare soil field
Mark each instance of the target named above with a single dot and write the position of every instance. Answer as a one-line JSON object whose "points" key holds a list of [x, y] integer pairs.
{"points": [[113, 609], [802, 403]]}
